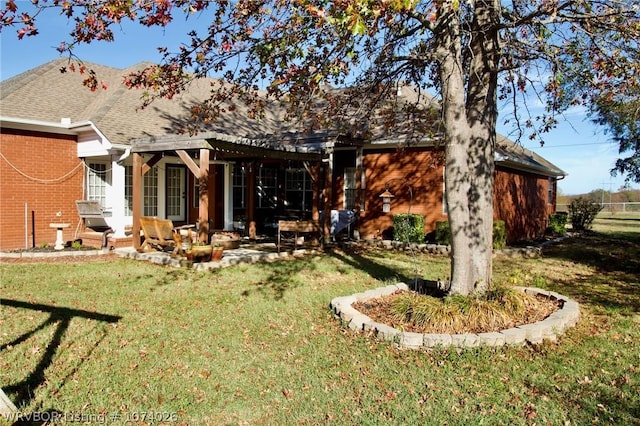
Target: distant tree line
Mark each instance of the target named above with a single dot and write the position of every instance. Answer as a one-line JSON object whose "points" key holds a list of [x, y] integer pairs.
{"points": [[622, 195]]}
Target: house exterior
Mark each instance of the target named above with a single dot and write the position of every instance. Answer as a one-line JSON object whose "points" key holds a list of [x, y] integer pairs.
{"points": [[61, 143]]}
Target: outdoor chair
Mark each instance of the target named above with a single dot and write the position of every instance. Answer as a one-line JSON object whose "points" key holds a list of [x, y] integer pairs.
{"points": [[93, 218], [160, 235]]}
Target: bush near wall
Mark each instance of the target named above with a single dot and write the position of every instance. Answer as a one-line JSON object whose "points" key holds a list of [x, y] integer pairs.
{"points": [[443, 234], [558, 223], [408, 227]]}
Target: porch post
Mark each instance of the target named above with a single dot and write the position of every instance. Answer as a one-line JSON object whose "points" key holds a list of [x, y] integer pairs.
{"points": [[251, 200], [328, 195], [360, 188], [228, 196], [315, 186], [203, 212], [137, 198]]}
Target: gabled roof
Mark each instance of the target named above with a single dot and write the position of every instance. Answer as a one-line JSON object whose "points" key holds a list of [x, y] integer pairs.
{"points": [[44, 94]]}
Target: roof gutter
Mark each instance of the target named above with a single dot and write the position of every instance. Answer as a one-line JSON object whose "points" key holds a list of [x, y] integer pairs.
{"points": [[516, 165]]}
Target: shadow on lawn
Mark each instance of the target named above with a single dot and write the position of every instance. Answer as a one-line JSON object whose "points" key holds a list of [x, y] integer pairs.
{"points": [[280, 278], [375, 270], [60, 317], [616, 258]]}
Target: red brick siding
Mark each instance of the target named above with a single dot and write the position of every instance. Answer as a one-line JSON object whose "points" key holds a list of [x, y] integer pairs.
{"points": [[521, 200], [44, 159], [422, 171]]}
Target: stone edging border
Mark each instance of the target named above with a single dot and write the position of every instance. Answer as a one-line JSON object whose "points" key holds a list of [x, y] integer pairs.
{"points": [[530, 251], [50, 254], [548, 329]]}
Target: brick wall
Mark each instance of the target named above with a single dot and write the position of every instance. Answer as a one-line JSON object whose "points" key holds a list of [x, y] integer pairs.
{"points": [[422, 170], [521, 200], [43, 171]]}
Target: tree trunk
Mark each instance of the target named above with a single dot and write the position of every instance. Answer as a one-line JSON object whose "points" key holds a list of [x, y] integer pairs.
{"points": [[469, 123]]}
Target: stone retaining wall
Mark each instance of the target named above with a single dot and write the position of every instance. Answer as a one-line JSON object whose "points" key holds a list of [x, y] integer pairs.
{"points": [[548, 329], [439, 249]]}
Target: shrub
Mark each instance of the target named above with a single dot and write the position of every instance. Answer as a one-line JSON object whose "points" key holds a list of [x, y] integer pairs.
{"points": [[558, 223], [582, 212], [408, 227], [443, 234], [499, 235]]}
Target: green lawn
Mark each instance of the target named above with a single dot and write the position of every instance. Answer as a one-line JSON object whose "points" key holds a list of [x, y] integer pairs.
{"points": [[257, 344]]}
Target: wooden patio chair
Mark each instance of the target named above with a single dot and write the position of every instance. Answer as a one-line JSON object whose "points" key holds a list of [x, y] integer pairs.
{"points": [[159, 234], [299, 227]]}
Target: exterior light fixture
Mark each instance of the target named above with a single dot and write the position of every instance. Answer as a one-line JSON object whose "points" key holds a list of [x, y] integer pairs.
{"points": [[386, 208], [386, 200]]}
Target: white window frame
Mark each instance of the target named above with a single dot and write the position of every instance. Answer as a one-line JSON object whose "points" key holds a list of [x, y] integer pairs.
{"points": [[98, 179], [350, 188], [150, 193]]}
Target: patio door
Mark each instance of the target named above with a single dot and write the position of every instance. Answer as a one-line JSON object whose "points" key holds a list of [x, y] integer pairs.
{"points": [[176, 193]]}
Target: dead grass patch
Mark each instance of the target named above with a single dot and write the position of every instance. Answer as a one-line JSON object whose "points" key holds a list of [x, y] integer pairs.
{"points": [[497, 310]]}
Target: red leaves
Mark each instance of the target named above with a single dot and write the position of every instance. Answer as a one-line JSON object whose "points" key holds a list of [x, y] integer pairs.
{"points": [[157, 13]]}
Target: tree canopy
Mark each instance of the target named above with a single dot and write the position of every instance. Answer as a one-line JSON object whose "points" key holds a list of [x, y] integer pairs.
{"points": [[471, 54]]}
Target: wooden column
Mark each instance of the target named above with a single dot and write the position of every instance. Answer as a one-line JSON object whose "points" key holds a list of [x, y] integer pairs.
{"points": [[203, 212], [315, 185], [250, 204], [139, 170], [328, 198], [360, 188]]}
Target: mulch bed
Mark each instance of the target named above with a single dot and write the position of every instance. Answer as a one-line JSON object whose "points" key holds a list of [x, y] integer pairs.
{"points": [[380, 310]]}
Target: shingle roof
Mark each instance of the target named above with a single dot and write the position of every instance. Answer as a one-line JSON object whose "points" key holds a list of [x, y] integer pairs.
{"points": [[44, 93]]}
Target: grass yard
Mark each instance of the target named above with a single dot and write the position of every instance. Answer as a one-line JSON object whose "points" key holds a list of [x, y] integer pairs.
{"points": [[257, 344]]}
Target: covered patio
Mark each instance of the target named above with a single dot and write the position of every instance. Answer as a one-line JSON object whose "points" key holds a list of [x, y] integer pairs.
{"points": [[215, 200]]}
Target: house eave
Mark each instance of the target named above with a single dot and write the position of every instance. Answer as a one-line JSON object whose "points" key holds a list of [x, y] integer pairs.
{"points": [[61, 128], [543, 171], [64, 127]]}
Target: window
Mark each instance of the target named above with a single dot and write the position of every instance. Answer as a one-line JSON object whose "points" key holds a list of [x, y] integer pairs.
{"points": [[150, 191], [150, 197], [266, 187], [97, 183], [351, 189], [239, 186], [551, 191], [298, 189]]}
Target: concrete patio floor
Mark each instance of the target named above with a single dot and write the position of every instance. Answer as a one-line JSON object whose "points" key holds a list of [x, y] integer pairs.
{"points": [[249, 252]]}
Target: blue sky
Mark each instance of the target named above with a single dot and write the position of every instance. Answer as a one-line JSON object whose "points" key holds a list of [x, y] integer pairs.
{"points": [[577, 146]]}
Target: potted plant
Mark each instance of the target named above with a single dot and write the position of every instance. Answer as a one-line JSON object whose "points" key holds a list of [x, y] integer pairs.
{"points": [[216, 252], [201, 252], [226, 239]]}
